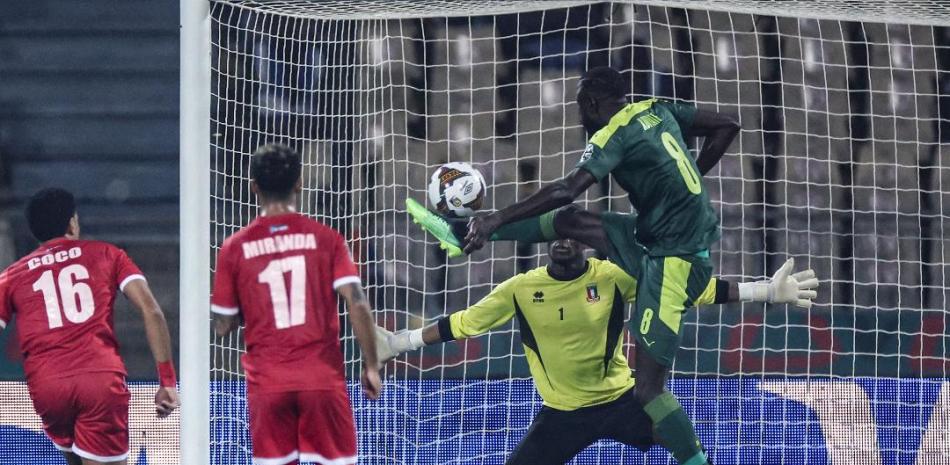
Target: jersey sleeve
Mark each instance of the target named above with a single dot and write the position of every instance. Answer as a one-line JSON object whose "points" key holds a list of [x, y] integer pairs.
{"points": [[626, 283], [224, 298], [684, 114], [709, 294], [6, 310], [126, 270], [603, 153], [492, 311], [344, 271]]}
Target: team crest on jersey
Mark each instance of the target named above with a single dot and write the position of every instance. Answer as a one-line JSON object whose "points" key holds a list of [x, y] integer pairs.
{"points": [[592, 294], [588, 152]]}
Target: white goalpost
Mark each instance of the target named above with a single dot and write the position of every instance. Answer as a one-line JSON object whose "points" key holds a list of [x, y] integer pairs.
{"points": [[194, 243], [845, 115]]}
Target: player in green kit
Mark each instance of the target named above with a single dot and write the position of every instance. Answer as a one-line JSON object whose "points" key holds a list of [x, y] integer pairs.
{"points": [[665, 244], [570, 317]]}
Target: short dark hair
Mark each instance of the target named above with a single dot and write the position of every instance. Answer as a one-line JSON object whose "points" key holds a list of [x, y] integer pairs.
{"points": [[275, 168], [604, 82], [48, 213]]}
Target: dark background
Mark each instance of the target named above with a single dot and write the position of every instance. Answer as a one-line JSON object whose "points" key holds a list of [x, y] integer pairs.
{"points": [[89, 102]]}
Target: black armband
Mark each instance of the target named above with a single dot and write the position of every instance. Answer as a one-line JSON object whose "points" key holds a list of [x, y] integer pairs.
{"points": [[722, 291], [445, 330]]}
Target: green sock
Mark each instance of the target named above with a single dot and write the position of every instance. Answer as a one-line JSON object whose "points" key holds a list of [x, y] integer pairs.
{"points": [[534, 229], [674, 431]]}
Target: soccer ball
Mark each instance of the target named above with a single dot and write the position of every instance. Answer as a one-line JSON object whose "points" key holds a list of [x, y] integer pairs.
{"points": [[456, 189]]}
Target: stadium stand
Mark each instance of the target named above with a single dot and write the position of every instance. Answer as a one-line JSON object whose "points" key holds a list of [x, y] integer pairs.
{"points": [[89, 102]]}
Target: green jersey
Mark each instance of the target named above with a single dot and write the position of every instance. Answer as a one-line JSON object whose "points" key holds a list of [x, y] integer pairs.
{"points": [[572, 331], [643, 147]]}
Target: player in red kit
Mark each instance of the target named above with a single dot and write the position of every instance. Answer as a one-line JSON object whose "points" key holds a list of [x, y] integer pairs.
{"points": [[281, 274], [62, 295]]}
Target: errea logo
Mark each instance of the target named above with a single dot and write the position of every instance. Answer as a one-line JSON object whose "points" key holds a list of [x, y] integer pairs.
{"points": [[538, 297]]}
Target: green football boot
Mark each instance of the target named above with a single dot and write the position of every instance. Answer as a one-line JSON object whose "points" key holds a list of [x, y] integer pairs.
{"points": [[437, 226]]}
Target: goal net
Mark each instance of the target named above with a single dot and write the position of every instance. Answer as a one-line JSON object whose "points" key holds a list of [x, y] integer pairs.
{"points": [[845, 115]]}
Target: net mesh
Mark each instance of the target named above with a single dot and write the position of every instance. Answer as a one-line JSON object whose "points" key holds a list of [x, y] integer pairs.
{"points": [[932, 12], [844, 110]]}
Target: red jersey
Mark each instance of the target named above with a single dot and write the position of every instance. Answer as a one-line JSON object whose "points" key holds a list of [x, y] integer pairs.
{"points": [[63, 293], [281, 273]]}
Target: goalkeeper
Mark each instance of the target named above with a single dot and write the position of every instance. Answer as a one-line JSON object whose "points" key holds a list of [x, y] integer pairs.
{"points": [[571, 317]]}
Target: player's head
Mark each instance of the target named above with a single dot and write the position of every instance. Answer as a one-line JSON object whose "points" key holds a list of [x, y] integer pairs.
{"points": [[51, 213], [275, 172], [566, 252], [600, 92]]}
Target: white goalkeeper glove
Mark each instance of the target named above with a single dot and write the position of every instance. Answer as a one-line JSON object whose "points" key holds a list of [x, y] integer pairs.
{"points": [[389, 345], [783, 288]]}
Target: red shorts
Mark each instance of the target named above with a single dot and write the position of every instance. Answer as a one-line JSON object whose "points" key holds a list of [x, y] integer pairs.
{"points": [[85, 414], [309, 426]]}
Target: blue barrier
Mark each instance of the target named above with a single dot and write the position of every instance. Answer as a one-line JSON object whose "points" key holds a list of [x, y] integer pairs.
{"points": [[480, 422]]}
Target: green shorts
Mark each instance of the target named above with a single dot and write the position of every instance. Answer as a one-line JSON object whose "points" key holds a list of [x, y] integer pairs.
{"points": [[666, 287], [625, 251]]}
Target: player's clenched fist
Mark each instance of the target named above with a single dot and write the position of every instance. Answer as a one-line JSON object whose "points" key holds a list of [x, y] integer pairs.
{"points": [[166, 401], [372, 385]]}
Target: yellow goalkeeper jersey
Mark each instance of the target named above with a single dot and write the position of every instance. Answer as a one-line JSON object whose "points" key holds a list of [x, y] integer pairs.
{"points": [[572, 331]]}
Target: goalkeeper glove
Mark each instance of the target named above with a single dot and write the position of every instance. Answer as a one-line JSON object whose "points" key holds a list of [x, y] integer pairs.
{"points": [[783, 288], [389, 345]]}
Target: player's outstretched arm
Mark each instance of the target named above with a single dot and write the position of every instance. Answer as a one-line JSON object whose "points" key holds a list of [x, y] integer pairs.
{"points": [[784, 287], [491, 312], [159, 341], [553, 195], [364, 328], [718, 130], [390, 345]]}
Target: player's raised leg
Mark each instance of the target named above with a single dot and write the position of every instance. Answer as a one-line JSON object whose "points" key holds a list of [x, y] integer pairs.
{"points": [[569, 222], [442, 228]]}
